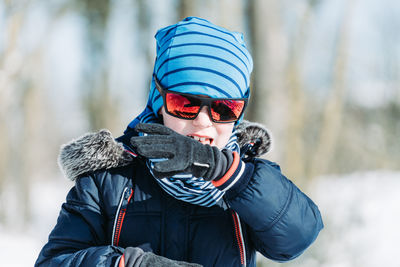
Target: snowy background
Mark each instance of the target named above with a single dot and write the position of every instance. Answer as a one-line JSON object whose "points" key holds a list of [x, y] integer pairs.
{"points": [[343, 54]]}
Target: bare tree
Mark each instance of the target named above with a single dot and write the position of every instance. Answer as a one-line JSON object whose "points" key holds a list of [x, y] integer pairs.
{"points": [[97, 100], [11, 63], [269, 98], [187, 8], [295, 156], [21, 104], [229, 14], [144, 19], [334, 108]]}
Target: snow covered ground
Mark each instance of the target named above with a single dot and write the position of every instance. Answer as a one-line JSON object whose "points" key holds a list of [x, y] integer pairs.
{"points": [[22, 248], [361, 215], [362, 218]]}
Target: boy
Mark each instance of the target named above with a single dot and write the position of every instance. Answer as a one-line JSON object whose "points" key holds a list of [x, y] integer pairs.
{"points": [[184, 185]]}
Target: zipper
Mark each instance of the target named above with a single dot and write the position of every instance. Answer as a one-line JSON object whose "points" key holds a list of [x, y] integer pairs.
{"points": [[239, 238], [120, 215]]}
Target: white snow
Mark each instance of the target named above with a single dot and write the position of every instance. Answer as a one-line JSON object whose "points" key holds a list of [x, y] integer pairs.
{"points": [[21, 247], [362, 217]]}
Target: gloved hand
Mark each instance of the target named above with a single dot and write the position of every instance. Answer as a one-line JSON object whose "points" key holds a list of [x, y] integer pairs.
{"points": [[136, 257], [183, 154]]}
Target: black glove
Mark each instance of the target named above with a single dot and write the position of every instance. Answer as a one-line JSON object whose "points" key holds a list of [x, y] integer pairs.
{"points": [[136, 257], [183, 154], [153, 260]]}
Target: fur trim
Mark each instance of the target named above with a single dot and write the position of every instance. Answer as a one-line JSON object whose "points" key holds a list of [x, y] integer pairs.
{"points": [[95, 151], [90, 152], [251, 132]]}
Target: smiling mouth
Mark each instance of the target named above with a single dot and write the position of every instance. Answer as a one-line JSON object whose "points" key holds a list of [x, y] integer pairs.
{"points": [[203, 140]]}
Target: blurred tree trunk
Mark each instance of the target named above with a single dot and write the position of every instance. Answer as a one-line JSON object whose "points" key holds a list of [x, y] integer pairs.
{"points": [[144, 19], [10, 63], [225, 13], [231, 15], [296, 158], [29, 152], [5, 102], [13, 168], [22, 115], [97, 99], [6, 99], [334, 107], [187, 8], [3, 152], [269, 98]]}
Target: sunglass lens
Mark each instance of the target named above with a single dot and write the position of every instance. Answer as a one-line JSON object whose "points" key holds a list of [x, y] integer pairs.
{"points": [[227, 110], [182, 106]]}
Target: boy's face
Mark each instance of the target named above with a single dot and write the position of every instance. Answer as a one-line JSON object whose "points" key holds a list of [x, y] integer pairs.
{"points": [[201, 128]]}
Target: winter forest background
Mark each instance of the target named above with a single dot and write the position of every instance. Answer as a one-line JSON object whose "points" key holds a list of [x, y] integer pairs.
{"points": [[326, 82]]}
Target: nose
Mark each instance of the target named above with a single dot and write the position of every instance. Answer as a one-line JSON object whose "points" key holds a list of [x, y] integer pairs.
{"points": [[203, 118]]}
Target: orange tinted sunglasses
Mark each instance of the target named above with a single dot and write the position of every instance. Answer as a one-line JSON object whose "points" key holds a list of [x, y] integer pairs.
{"points": [[188, 106]]}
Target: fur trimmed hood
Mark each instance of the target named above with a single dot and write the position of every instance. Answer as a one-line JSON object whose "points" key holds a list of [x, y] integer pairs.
{"points": [[99, 150]]}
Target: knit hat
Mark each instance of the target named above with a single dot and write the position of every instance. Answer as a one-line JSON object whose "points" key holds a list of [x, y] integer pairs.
{"points": [[197, 57]]}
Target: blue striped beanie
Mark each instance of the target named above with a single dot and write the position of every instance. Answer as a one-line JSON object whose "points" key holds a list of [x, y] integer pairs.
{"points": [[197, 57]]}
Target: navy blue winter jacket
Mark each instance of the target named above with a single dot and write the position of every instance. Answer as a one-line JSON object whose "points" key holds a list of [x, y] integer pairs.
{"points": [[122, 205]]}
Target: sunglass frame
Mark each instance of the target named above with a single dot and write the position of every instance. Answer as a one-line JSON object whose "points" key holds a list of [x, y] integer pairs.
{"points": [[204, 101]]}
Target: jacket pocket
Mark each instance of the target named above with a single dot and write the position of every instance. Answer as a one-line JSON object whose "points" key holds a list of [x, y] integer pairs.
{"points": [[212, 240], [142, 224], [142, 229]]}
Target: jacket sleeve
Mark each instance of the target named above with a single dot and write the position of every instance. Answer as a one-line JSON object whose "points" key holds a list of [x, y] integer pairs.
{"points": [[79, 237], [282, 220]]}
